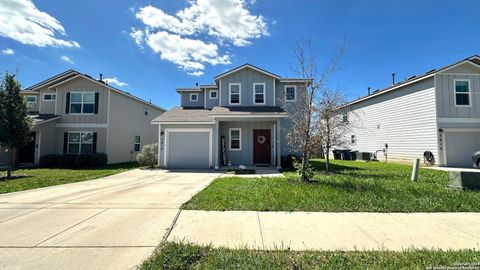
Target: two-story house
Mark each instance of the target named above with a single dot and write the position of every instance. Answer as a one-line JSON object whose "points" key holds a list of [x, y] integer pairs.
{"points": [[437, 112], [242, 119], [76, 114]]}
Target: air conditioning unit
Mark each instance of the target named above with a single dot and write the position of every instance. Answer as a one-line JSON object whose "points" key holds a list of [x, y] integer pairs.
{"points": [[365, 156]]}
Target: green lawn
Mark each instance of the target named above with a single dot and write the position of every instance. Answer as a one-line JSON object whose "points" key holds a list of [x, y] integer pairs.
{"points": [[38, 177], [355, 186], [186, 256]]}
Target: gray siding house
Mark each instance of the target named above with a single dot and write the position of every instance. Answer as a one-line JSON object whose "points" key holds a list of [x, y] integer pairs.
{"points": [[437, 112], [74, 113], [242, 119]]}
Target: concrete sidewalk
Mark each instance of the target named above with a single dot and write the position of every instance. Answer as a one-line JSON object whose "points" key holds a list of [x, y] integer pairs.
{"points": [[329, 231]]}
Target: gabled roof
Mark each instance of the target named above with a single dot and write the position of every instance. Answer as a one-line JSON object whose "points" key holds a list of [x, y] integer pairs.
{"points": [[107, 86], [58, 77], [71, 74], [473, 60], [247, 66]]}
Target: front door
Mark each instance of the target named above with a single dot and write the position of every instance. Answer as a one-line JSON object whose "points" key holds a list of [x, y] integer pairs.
{"points": [[26, 154], [261, 146]]}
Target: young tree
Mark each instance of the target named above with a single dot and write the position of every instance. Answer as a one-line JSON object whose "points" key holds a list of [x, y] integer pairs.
{"points": [[302, 138], [15, 124], [333, 121]]}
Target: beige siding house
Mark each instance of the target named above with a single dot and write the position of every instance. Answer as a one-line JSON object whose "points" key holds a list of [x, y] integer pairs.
{"points": [[437, 112], [74, 113]]}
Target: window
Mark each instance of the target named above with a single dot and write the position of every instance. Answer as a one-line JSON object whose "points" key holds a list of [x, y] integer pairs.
{"points": [[462, 93], [31, 99], [80, 142], [234, 90], [235, 139], [353, 140], [49, 97], [136, 144], [345, 117], [193, 97], [213, 94], [145, 110], [259, 93], [82, 102], [290, 93]]}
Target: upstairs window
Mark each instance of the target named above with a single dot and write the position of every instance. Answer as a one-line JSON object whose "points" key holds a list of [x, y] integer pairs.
{"points": [[80, 142], [213, 94], [31, 99], [82, 102], [234, 90], [345, 117], [145, 110], [193, 97], [462, 93], [49, 97], [235, 139], [290, 93], [259, 93], [137, 144]]}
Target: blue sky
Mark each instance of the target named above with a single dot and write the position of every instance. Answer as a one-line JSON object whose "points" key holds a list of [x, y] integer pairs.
{"points": [[153, 46]]}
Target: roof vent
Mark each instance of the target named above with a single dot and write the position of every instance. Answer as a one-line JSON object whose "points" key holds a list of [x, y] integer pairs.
{"points": [[411, 77], [196, 84], [369, 90], [431, 71], [393, 78]]}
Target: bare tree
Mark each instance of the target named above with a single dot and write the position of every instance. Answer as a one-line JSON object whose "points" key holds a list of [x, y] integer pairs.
{"points": [[302, 138], [333, 122]]}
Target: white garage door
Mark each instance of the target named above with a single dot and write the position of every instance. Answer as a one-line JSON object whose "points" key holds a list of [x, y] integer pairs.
{"points": [[460, 146], [188, 150]]}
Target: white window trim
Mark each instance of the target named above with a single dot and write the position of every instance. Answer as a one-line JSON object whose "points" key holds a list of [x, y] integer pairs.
{"points": [[49, 100], [31, 102], [193, 94], [146, 110], [239, 139], [263, 93], [239, 94], [469, 92], [210, 94], [295, 89], [135, 143], [79, 142], [81, 113]]}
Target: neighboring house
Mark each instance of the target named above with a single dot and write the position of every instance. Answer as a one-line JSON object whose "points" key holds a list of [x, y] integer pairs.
{"points": [[240, 120], [75, 114], [437, 112]]}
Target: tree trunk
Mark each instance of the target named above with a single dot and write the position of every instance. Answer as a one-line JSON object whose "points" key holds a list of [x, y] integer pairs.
{"points": [[327, 160], [11, 162]]}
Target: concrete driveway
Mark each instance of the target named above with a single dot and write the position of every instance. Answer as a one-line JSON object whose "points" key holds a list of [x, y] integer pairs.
{"points": [[110, 223]]}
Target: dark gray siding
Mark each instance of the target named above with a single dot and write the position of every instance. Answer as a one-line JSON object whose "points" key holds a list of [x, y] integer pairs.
{"points": [[246, 77], [185, 99], [210, 102]]}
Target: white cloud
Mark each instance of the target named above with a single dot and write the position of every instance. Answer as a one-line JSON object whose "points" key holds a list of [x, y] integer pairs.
{"points": [[67, 59], [115, 81], [189, 54], [20, 20], [193, 36], [8, 51]]}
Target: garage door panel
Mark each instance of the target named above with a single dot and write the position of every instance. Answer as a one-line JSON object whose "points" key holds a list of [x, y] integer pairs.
{"points": [[460, 146], [188, 150]]}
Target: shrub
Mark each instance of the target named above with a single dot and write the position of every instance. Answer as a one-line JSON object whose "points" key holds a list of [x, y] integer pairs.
{"points": [[148, 155], [287, 161], [49, 161], [83, 160], [66, 160], [308, 170], [98, 160]]}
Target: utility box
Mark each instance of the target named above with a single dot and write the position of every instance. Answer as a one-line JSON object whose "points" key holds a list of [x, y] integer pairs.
{"points": [[465, 180]]}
